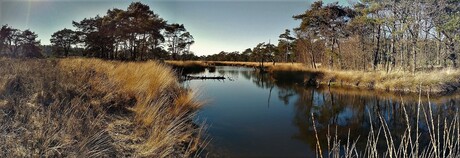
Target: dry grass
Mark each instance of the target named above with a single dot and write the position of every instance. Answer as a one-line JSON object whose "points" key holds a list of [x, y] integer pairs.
{"points": [[93, 108], [295, 67], [434, 81], [187, 63]]}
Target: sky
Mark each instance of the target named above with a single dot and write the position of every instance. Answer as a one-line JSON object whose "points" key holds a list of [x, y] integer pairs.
{"points": [[216, 25]]}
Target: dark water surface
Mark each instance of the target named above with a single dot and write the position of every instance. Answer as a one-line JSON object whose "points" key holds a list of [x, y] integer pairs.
{"points": [[256, 115]]}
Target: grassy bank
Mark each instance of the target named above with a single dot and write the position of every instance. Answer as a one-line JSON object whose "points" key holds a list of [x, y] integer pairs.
{"points": [[437, 81], [267, 65], [93, 108], [440, 81]]}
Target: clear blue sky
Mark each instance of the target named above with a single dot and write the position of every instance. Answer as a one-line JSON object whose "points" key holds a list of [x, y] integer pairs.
{"points": [[217, 25]]}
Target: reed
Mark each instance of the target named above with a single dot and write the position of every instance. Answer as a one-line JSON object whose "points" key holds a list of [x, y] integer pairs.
{"points": [[443, 135]]}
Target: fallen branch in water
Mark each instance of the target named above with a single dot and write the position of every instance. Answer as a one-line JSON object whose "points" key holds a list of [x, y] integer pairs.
{"points": [[204, 78]]}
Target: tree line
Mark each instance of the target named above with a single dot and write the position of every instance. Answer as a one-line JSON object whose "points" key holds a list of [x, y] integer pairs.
{"points": [[262, 52], [381, 35], [137, 33], [384, 35], [17, 43]]}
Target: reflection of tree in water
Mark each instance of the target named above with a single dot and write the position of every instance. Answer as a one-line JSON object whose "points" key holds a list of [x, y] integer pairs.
{"points": [[268, 81], [351, 112], [328, 109], [246, 74], [262, 80], [285, 95], [222, 72], [233, 73], [345, 111]]}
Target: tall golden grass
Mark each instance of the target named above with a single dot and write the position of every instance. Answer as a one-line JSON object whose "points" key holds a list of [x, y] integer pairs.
{"points": [[438, 81], [187, 63], [90, 107]]}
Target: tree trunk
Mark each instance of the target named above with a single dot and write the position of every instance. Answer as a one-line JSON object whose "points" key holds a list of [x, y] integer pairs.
{"points": [[438, 53], [414, 54], [339, 55], [453, 55], [313, 60], [331, 60], [377, 48], [393, 51]]}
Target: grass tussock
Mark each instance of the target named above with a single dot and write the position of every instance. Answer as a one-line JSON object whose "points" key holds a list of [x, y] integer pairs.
{"points": [[94, 108]]}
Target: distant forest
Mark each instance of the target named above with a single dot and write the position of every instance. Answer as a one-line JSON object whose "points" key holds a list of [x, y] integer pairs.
{"points": [[408, 35]]}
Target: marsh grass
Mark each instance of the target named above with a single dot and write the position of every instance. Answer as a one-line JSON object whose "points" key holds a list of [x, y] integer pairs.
{"points": [[94, 108], [438, 81], [188, 67], [187, 63], [442, 134]]}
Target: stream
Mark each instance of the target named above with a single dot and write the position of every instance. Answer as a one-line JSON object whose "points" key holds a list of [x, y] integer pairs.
{"points": [[269, 115]]}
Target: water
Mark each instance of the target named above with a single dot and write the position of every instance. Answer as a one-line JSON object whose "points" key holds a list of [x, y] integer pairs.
{"points": [[256, 115]]}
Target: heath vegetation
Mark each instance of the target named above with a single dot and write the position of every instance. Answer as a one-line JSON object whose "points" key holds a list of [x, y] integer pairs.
{"points": [[94, 108]]}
